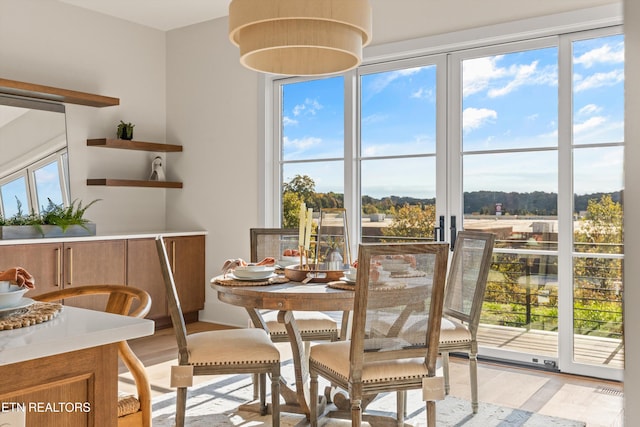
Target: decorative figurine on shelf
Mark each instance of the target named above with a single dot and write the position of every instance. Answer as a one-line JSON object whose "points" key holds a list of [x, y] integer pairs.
{"points": [[157, 172], [125, 130]]}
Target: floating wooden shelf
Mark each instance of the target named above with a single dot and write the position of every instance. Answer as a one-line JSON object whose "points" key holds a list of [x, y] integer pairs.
{"points": [[133, 183], [133, 145], [30, 90]]}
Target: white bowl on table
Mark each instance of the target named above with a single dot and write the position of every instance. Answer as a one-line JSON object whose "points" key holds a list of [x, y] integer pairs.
{"points": [[253, 272], [12, 297]]}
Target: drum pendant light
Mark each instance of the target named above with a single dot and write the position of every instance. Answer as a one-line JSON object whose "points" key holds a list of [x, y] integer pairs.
{"points": [[300, 37]]}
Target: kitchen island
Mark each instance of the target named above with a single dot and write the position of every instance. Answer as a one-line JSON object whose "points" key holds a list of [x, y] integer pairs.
{"points": [[64, 372]]}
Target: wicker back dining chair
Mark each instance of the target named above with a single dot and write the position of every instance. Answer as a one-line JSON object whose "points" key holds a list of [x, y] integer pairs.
{"points": [[387, 352], [220, 352], [127, 301], [464, 294], [313, 325]]}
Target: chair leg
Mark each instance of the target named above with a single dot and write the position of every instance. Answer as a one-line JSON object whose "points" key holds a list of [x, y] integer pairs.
{"points": [[256, 386], [275, 396], [356, 413], [445, 371], [473, 374], [431, 413], [401, 407], [313, 403], [262, 379], [181, 406]]}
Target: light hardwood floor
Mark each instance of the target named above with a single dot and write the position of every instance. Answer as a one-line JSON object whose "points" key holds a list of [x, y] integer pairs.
{"points": [[597, 402]]}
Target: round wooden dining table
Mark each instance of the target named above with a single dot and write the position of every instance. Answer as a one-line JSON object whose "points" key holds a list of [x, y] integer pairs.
{"points": [[287, 298]]}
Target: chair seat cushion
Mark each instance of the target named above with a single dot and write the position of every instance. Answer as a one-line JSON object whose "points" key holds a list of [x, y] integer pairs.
{"points": [[307, 322], [231, 347], [452, 332], [127, 404], [334, 357]]}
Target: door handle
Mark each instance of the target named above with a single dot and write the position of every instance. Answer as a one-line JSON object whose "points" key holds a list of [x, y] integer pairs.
{"points": [[438, 232], [453, 231]]}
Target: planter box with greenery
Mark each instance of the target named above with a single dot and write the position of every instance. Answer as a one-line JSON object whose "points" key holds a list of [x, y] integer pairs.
{"points": [[54, 221]]}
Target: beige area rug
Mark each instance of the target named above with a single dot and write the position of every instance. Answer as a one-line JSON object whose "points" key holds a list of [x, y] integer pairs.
{"points": [[215, 403]]}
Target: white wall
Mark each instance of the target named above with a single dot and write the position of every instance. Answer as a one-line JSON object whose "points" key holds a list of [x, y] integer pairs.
{"points": [[406, 19], [631, 212], [54, 44], [212, 108]]}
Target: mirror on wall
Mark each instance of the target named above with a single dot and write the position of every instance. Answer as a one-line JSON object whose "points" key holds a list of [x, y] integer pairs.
{"points": [[33, 155]]}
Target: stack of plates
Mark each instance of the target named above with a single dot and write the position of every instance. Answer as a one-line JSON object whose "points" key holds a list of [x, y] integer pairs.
{"points": [[253, 272], [12, 299]]}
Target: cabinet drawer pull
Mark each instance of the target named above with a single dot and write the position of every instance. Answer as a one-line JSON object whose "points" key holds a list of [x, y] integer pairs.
{"points": [[58, 267], [70, 274]]}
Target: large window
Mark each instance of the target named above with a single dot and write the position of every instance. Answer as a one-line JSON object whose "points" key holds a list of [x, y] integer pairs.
{"points": [[523, 139]]}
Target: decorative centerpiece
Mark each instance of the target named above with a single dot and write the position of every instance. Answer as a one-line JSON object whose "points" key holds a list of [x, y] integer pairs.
{"points": [[332, 250]]}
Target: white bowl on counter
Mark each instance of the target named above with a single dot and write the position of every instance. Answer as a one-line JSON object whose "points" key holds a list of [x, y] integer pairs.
{"points": [[12, 297]]}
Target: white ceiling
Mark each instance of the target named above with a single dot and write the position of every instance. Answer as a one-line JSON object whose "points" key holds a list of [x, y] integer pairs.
{"points": [[161, 14]]}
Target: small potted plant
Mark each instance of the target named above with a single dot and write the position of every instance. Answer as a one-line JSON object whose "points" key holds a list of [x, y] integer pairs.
{"points": [[125, 130]]}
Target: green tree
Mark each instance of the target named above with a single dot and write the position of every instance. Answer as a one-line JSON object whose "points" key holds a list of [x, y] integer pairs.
{"points": [[303, 186], [290, 210], [600, 231], [412, 221]]}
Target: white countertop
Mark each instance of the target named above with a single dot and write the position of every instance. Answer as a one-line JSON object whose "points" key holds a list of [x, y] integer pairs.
{"points": [[141, 235], [73, 329]]}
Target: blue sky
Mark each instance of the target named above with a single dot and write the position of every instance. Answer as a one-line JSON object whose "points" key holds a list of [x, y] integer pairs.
{"points": [[510, 101]]}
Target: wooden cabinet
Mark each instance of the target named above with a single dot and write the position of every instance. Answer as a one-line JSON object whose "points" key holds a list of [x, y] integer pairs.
{"points": [[88, 378], [186, 254], [94, 263], [131, 261], [187, 258], [61, 265], [44, 261], [143, 271]]}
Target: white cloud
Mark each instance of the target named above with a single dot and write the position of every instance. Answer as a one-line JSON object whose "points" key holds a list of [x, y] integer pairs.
{"points": [[477, 73], [603, 54], [598, 80], [301, 144], [473, 118], [423, 93], [310, 106], [288, 121], [533, 117], [383, 80], [526, 75], [374, 118], [589, 109], [589, 124]]}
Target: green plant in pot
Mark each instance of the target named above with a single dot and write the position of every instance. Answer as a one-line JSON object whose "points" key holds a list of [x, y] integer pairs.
{"points": [[53, 215], [125, 130]]}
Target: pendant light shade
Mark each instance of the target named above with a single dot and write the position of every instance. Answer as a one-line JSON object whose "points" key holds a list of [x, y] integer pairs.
{"points": [[300, 37]]}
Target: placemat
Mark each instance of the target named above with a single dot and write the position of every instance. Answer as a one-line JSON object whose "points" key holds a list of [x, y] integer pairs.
{"points": [[408, 274], [227, 281], [340, 284], [38, 312]]}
